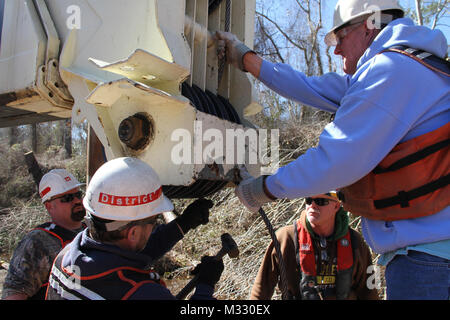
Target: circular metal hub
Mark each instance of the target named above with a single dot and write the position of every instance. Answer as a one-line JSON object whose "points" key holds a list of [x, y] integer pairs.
{"points": [[136, 131]]}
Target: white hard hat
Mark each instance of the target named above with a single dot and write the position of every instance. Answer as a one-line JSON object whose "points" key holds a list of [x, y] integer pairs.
{"points": [[125, 189], [350, 10], [55, 182]]}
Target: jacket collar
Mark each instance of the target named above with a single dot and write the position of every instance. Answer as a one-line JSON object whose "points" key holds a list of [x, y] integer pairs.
{"points": [[340, 225]]}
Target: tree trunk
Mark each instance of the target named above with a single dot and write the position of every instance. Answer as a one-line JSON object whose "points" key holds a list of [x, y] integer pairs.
{"points": [[95, 154], [419, 13], [13, 135], [68, 137], [33, 167], [34, 137]]}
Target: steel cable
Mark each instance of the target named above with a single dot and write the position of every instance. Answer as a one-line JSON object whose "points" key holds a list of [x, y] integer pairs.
{"points": [[215, 105], [222, 61], [283, 277]]}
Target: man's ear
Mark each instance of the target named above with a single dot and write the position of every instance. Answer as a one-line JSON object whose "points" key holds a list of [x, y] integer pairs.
{"points": [[337, 205], [371, 32], [48, 205], [133, 234]]}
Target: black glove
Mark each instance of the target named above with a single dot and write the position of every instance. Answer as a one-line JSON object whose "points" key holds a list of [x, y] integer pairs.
{"points": [[209, 270], [195, 214]]}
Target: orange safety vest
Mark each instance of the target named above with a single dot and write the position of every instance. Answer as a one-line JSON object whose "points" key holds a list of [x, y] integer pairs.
{"points": [[307, 260], [411, 181]]}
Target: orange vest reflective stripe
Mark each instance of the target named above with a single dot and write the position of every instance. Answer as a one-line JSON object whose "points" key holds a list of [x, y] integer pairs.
{"points": [[411, 181], [63, 242]]}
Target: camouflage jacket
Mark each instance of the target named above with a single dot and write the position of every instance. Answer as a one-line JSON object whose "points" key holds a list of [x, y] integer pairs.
{"points": [[32, 260]]}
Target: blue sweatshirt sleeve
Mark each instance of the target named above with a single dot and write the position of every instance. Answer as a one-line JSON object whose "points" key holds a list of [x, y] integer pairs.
{"points": [[324, 92], [374, 115]]}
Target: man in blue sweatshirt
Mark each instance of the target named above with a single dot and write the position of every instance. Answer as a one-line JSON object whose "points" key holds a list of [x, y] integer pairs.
{"points": [[387, 147]]}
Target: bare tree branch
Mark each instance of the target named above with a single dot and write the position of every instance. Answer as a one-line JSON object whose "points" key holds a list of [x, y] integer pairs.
{"points": [[419, 13], [300, 46], [274, 45], [442, 9]]}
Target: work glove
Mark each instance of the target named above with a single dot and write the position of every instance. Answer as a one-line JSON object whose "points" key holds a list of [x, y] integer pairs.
{"points": [[232, 48], [209, 270], [250, 191], [195, 214]]}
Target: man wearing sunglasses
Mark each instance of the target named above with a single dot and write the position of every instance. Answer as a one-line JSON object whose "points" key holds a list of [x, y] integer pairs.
{"points": [[324, 257], [387, 147], [32, 260]]}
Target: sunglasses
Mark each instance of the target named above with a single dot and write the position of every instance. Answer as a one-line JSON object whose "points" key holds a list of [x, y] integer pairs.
{"points": [[70, 196], [319, 201]]}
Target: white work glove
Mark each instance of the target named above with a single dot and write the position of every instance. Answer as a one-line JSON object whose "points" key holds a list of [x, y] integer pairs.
{"points": [[250, 191], [230, 46]]}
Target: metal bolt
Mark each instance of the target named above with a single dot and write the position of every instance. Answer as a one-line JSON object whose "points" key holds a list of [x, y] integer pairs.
{"points": [[135, 131], [126, 130]]}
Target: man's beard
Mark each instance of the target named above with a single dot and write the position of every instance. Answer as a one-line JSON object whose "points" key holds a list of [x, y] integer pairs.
{"points": [[78, 213]]}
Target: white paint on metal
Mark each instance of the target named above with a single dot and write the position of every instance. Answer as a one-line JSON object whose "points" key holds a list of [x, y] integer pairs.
{"points": [[123, 58], [23, 46], [123, 98], [144, 67]]}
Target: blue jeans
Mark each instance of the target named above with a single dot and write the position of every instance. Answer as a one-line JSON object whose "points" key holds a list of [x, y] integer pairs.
{"points": [[418, 276]]}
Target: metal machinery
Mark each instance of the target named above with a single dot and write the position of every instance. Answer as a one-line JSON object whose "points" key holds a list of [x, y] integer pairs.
{"points": [[138, 71]]}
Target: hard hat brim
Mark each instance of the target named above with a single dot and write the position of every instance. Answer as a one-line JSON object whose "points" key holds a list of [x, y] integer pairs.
{"points": [[48, 197], [330, 37]]}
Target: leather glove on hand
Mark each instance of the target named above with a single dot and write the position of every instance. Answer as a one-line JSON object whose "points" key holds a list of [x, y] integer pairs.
{"points": [[251, 191], [195, 214], [230, 46], [209, 270]]}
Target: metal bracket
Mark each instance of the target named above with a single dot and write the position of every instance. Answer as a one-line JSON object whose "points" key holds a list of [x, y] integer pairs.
{"points": [[48, 80]]}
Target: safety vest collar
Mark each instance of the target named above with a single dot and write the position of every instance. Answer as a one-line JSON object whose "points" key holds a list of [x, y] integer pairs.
{"points": [[307, 256], [65, 236]]}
